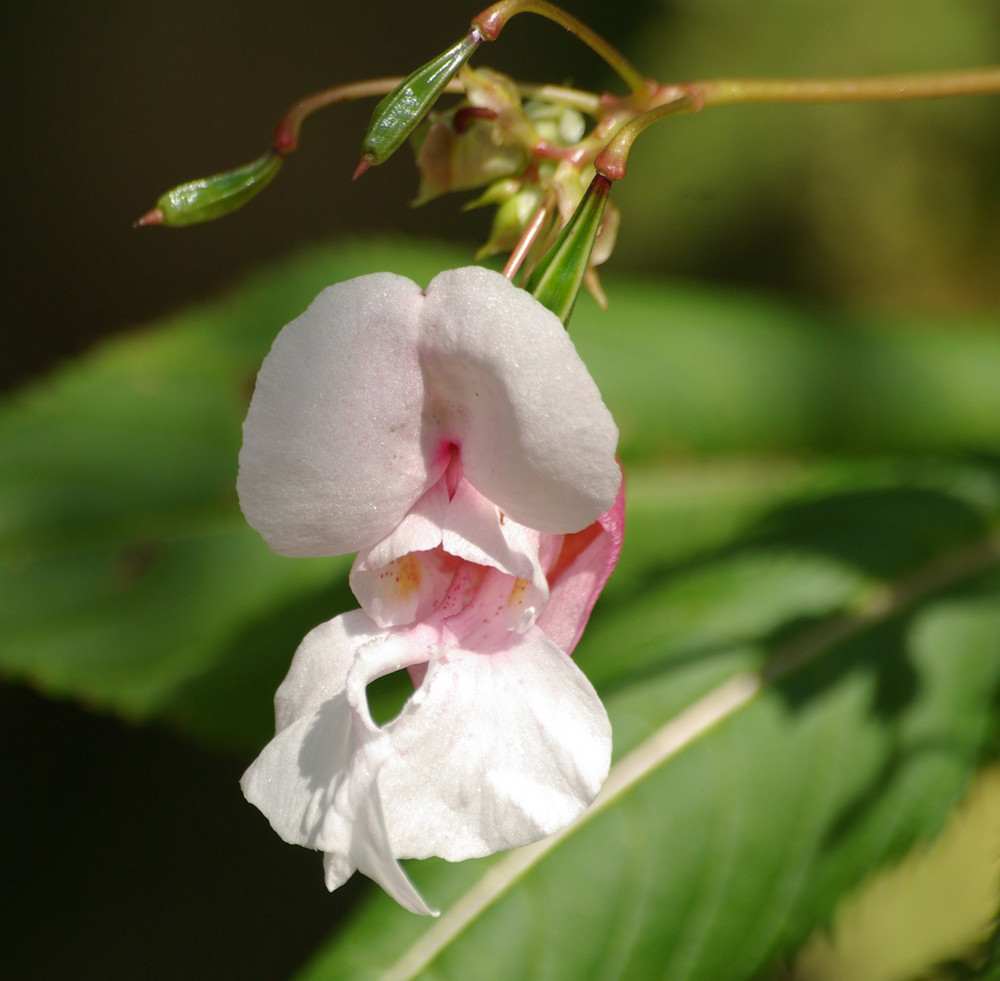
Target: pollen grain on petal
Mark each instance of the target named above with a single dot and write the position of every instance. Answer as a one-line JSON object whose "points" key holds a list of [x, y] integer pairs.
{"points": [[406, 574], [517, 592], [520, 613]]}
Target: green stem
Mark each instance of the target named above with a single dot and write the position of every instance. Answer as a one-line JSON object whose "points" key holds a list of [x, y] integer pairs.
{"points": [[493, 20], [695, 96], [588, 103], [886, 88], [612, 159], [286, 135]]}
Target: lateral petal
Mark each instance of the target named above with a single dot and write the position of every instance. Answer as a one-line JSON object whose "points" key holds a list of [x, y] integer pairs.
{"points": [[402, 578]]}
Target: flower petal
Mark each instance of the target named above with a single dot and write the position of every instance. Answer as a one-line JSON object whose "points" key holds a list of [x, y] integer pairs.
{"points": [[478, 532], [332, 456], [319, 669], [402, 578], [317, 780], [497, 749], [362, 399], [325, 733], [579, 573], [370, 851], [506, 385]]}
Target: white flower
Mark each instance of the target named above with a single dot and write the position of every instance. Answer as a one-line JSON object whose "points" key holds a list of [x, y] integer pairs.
{"points": [[456, 439]]}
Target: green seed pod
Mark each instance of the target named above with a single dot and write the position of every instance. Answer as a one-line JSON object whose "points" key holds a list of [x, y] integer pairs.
{"points": [[212, 197], [396, 116], [556, 280]]}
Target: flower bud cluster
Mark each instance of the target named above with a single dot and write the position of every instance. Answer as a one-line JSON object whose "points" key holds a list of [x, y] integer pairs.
{"points": [[531, 156]]}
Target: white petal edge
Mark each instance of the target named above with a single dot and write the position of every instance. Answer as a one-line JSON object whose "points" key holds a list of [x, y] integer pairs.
{"points": [[317, 780]]}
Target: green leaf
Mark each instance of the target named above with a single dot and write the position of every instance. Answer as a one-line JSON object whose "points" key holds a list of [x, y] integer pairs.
{"points": [[688, 370], [129, 579], [990, 970]]}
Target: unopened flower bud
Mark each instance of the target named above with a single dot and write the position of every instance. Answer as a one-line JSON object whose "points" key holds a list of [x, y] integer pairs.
{"points": [[556, 124], [453, 158]]}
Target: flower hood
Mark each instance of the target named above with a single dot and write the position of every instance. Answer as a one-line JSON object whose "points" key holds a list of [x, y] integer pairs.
{"points": [[363, 400]]}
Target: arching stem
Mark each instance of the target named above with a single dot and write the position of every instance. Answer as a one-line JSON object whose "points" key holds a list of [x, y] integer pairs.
{"points": [[612, 159], [286, 134], [493, 20], [668, 100]]}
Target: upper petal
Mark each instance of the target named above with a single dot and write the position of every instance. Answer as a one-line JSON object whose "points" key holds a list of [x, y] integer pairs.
{"points": [[362, 399], [332, 455], [505, 384]]}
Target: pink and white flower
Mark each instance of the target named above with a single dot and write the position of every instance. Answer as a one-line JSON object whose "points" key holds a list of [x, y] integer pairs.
{"points": [[454, 439]]}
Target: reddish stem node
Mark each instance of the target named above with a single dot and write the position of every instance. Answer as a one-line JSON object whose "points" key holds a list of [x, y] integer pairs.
{"points": [[286, 139], [490, 25], [610, 165]]}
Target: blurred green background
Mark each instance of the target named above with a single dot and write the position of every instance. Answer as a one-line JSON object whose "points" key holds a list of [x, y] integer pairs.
{"points": [[128, 852]]}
